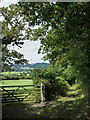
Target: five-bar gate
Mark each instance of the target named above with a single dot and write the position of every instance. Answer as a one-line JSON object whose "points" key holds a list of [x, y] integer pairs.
{"points": [[23, 93]]}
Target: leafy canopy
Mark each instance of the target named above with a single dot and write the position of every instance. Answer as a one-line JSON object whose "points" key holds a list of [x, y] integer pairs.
{"points": [[63, 31], [64, 34], [13, 26]]}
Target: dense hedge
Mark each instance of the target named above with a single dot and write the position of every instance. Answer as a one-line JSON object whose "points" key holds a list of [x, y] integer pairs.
{"points": [[15, 76], [54, 85], [55, 89]]}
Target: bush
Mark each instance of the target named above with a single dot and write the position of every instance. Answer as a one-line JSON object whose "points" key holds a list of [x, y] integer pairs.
{"points": [[16, 76], [42, 73], [54, 86], [10, 77], [59, 87]]}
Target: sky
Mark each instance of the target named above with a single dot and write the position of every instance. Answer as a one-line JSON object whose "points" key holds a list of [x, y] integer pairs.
{"points": [[30, 48]]}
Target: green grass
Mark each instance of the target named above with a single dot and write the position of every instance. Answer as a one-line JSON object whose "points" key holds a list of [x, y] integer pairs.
{"points": [[17, 82], [73, 107]]}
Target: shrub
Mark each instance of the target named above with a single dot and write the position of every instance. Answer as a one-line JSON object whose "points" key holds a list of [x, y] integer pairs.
{"points": [[9, 77], [54, 86], [43, 73], [15, 76], [59, 87]]}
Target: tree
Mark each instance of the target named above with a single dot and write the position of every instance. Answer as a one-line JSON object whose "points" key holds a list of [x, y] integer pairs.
{"points": [[13, 26], [64, 34]]}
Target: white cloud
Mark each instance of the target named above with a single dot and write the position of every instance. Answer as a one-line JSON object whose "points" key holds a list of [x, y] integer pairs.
{"points": [[6, 3], [30, 49]]}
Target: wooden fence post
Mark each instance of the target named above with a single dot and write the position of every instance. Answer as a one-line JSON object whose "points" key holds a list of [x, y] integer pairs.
{"points": [[42, 92]]}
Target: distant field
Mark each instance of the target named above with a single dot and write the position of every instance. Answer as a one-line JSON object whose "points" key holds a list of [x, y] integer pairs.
{"points": [[13, 72], [17, 82]]}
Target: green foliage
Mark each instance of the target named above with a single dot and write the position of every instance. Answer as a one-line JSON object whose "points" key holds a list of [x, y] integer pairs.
{"points": [[64, 35], [11, 57], [11, 34], [54, 86], [63, 32], [43, 73], [35, 75], [57, 88], [16, 76]]}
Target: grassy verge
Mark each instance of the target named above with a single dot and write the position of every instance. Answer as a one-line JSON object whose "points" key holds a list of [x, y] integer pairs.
{"points": [[74, 107]]}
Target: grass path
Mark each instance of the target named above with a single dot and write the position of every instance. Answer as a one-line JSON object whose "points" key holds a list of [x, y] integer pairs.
{"points": [[72, 107]]}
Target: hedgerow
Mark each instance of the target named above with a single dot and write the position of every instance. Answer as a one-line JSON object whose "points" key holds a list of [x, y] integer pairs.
{"points": [[54, 85]]}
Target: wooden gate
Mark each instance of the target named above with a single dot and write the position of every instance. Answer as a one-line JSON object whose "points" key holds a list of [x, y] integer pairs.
{"points": [[22, 92]]}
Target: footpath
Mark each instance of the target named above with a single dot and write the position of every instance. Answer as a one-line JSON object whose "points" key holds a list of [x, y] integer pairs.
{"points": [[73, 107]]}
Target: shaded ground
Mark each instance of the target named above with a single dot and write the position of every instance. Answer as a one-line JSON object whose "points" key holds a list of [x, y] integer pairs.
{"points": [[72, 107]]}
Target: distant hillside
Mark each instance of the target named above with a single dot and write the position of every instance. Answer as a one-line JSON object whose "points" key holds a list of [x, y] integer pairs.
{"points": [[37, 65], [29, 66]]}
